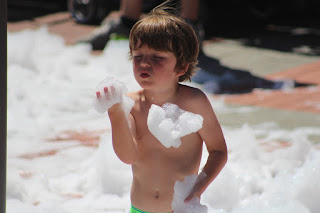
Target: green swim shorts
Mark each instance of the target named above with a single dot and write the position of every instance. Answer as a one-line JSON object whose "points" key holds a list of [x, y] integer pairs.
{"points": [[135, 210]]}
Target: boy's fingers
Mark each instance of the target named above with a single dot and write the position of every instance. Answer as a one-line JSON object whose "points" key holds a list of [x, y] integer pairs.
{"points": [[113, 90], [98, 94], [188, 198], [106, 93], [191, 196]]}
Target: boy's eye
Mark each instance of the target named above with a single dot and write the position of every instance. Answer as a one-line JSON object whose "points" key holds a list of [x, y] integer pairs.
{"points": [[137, 56], [157, 58]]}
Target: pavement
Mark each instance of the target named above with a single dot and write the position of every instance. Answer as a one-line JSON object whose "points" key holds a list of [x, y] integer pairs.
{"points": [[279, 52]]}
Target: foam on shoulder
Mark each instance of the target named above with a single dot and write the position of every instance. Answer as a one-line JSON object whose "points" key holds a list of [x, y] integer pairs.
{"points": [[169, 123]]}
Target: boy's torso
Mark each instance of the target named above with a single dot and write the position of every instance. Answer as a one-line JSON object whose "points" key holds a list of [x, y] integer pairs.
{"points": [[158, 167]]}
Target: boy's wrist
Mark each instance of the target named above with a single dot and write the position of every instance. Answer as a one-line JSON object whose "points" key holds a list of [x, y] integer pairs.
{"points": [[115, 108]]}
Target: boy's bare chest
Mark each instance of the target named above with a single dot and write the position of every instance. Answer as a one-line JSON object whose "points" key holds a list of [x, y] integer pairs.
{"points": [[151, 150]]}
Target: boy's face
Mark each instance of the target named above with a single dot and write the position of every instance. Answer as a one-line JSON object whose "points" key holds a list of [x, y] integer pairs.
{"points": [[153, 68]]}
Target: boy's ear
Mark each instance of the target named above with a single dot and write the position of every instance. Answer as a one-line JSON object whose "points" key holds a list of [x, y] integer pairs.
{"points": [[183, 70]]}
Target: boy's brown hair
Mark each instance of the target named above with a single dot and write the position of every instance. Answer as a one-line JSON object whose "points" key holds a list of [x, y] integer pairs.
{"points": [[163, 31]]}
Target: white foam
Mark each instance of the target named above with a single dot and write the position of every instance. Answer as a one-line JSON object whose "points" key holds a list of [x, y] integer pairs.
{"points": [[181, 191], [50, 91], [106, 99], [169, 123]]}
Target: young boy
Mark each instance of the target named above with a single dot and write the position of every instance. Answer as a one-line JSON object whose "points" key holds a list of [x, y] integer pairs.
{"points": [[164, 50]]}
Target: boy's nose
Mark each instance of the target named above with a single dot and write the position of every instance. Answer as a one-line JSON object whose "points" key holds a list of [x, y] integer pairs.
{"points": [[145, 62]]}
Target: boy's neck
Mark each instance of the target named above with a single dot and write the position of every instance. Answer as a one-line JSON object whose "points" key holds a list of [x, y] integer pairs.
{"points": [[161, 97]]}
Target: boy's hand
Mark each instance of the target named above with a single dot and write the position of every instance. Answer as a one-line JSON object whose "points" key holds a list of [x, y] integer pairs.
{"points": [[195, 191], [191, 196], [108, 92], [186, 197]]}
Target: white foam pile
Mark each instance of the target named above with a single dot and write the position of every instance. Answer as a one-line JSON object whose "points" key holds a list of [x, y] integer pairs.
{"points": [[108, 92], [111, 91], [52, 169], [169, 123], [181, 190]]}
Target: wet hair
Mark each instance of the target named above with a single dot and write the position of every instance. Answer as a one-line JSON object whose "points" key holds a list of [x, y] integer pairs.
{"points": [[164, 31]]}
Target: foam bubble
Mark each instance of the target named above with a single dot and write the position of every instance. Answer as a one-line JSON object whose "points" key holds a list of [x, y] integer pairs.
{"points": [[169, 123], [181, 191], [281, 180], [113, 95], [292, 207], [127, 104], [224, 191]]}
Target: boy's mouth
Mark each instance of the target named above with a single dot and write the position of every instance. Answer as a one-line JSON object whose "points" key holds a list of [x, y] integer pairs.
{"points": [[144, 74]]}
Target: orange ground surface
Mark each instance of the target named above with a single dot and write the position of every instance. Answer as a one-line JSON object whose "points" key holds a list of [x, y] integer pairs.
{"points": [[300, 99]]}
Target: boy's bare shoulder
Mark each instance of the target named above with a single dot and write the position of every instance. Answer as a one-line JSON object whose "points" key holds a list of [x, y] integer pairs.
{"points": [[194, 100], [192, 93], [135, 95]]}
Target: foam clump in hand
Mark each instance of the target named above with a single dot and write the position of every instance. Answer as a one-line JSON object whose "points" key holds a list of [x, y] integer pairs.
{"points": [[182, 190], [109, 92], [127, 104], [169, 123]]}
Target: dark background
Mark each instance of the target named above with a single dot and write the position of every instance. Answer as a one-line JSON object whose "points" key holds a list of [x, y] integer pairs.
{"points": [[3, 105], [281, 25]]}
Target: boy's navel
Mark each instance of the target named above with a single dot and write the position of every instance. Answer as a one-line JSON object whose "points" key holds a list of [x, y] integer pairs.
{"points": [[156, 194]]}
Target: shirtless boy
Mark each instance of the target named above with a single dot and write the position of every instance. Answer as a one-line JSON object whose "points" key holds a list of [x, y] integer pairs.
{"points": [[164, 50]]}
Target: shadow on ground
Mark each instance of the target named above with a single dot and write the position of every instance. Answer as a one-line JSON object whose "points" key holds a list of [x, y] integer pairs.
{"points": [[286, 28]]}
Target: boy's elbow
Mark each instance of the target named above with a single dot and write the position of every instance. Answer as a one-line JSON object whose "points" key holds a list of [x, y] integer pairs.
{"points": [[222, 156], [225, 157]]}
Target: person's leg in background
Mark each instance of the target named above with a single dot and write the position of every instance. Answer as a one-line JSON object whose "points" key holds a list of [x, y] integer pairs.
{"points": [[190, 13], [130, 11], [190, 9]]}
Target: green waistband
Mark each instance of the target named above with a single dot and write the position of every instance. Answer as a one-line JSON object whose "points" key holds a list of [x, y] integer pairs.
{"points": [[136, 210]]}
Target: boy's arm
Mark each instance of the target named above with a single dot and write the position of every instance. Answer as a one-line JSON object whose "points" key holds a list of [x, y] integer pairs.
{"points": [[123, 134], [211, 134], [110, 97]]}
